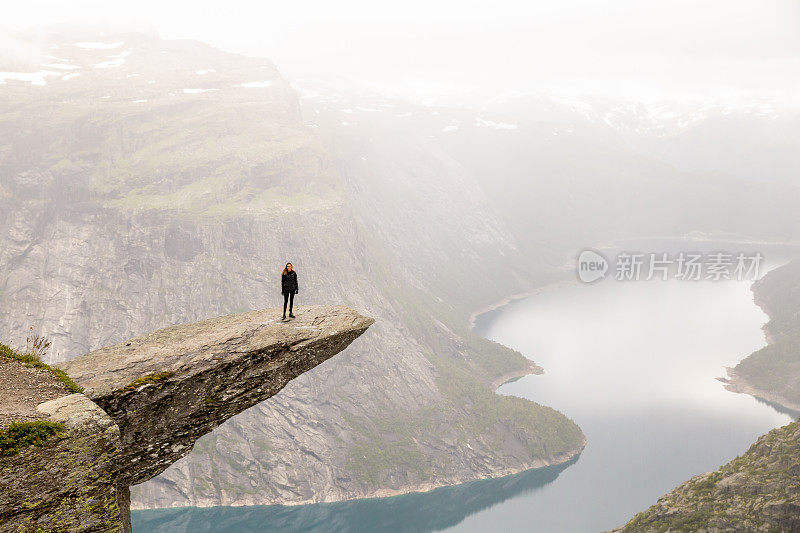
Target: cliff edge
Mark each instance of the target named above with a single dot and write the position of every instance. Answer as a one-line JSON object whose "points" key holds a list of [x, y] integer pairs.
{"points": [[758, 491], [145, 403]]}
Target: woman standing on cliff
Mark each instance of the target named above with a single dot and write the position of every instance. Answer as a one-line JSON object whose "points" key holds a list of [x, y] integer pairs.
{"points": [[289, 288]]}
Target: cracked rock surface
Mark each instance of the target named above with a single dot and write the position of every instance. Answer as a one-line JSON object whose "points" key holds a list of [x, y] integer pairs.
{"points": [[67, 484], [168, 388], [147, 400]]}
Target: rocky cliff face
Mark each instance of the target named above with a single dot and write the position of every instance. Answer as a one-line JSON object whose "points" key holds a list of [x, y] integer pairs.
{"points": [[169, 388], [759, 491], [147, 193], [147, 401], [67, 484]]}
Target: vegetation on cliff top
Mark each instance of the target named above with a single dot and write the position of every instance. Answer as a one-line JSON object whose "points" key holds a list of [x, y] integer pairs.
{"points": [[149, 379], [31, 359], [21, 434], [758, 491]]}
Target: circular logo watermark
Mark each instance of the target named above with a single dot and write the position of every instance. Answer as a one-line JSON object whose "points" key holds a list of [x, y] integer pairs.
{"points": [[592, 266]]}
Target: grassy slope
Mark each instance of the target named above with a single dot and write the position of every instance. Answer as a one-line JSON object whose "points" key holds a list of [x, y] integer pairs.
{"points": [[758, 491], [775, 369], [473, 409], [29, 360], [18, 435]]}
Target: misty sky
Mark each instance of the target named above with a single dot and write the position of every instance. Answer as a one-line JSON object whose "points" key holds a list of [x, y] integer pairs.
{"points": [[628, 48]]}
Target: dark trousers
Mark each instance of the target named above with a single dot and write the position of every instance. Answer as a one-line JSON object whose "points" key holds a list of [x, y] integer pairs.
{"points": [[288, 296]]}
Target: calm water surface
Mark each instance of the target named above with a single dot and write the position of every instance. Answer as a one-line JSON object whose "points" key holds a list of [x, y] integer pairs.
{"points": [[634, 364]]}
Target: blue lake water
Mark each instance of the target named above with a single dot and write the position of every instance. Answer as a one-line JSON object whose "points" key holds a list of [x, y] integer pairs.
{"points": [[634, 364]]}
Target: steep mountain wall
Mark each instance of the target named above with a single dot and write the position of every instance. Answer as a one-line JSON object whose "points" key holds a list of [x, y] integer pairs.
{"points": [[129, 205]]}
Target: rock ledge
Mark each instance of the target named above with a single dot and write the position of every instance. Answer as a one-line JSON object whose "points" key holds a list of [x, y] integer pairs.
{"points": [[147, 400]]}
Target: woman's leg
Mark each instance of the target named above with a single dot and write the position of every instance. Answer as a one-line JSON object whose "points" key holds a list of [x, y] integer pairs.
{"points": [[285, 299], [291, 302]]}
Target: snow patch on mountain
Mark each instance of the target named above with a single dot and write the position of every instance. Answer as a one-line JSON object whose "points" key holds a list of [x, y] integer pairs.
{"points": [[62, 66], [484, 123], [34, 78], [256, 84], [98, 45]]}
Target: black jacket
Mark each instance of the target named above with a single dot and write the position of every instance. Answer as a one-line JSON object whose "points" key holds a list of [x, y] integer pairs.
{"points": [[289, 282]]}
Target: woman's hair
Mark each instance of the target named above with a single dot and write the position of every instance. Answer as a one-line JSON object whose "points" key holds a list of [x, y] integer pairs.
{"points": [[286, 269]]}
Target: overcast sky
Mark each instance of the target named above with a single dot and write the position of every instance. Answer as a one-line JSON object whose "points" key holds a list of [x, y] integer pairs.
{"points": [[631, 48]]}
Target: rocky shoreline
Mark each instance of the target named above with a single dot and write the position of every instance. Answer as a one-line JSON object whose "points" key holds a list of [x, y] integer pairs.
{"points": [[532, 368], [757, 491], [736, 383], [518, 296], [388, 493]]}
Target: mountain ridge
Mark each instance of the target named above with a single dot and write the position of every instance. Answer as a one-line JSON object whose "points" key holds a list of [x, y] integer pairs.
{"points": [[170, 206]]}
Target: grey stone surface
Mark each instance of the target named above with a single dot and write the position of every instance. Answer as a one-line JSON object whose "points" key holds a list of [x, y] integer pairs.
{"points": [[168, 388], [147, 401], [66, 485]]}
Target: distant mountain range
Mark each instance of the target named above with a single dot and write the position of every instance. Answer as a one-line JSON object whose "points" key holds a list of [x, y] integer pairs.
{"points": [[147, 182]]}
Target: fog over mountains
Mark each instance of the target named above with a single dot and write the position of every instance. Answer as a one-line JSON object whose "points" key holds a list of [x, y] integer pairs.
{"points": [[146, 182]]}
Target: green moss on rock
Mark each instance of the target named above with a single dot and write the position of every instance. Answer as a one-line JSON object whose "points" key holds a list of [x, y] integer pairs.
{"points": [[21, 434], [150, 379], [757, 491]]}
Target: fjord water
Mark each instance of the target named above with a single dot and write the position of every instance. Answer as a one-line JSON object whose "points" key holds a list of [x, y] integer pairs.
{"points": [[633, 363]]}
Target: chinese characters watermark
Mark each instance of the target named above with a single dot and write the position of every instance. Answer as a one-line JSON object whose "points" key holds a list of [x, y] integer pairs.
{"points": [[684, 266]]}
